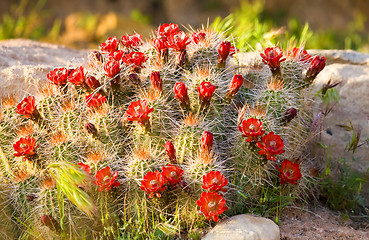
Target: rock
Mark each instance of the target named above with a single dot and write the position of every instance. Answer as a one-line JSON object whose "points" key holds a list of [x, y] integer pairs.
{"points": [[24, 64], [343, 56], [244, 227], [353, 107]]}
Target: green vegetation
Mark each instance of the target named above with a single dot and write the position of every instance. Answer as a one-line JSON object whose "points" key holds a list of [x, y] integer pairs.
{"points": [[257, 29]]}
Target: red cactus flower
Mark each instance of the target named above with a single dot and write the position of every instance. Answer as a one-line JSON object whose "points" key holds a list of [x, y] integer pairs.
{"points": [[206, 91], [160, 45], [172, 174], [136, 58], [316, 66], [234, 86], [131, 41], [299, 54], [106, 179], [116, 55], [110, 45], [271, 145], [77, 76], [58, 76], [167, 30], [92, 82], [156, 81], [289, 172], [153, 183], [139, 111], [198, 37], [85, 167], [211, 205], [252, 129], [171, 151], [272, 56], [27, 107], [180, 91], [223, 51], [214, 182], [95, 100], [25, 147], [207, 140], [111, 68], [178, 41]]}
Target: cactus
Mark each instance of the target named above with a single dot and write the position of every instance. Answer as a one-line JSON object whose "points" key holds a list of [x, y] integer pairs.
{"points": [[156, 138]]}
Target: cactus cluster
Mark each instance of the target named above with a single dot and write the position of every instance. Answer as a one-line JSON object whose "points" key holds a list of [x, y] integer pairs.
{"points": [[155, 138]]}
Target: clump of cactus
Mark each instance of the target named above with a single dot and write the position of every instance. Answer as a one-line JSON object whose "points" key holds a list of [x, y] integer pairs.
{"points": [[155, 138]]}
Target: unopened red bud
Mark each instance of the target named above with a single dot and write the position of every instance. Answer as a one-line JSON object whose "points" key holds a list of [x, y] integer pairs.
{"points": [[156, 81], [290, 114], [30, 197], [182, 58], [223, 51], [235, 85], [207, 140], [171, 152], [92, 82], [316, 66], [180, 91], [50, 222], [91, 129], [206, 91], [134, 78]]}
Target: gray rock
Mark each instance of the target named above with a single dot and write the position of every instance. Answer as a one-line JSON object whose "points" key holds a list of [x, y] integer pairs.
{"points": [[352, 107], [342, 56], [24, 64], [244, 227]]}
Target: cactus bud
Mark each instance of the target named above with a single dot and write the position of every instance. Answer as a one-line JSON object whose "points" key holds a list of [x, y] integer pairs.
{"points": [[171, 152], [96, 56], [223, 52], [207, 140], [50, 222], [206, 91], [234, 86], [92, 82], [289, 115], [182, 58], [91, 129], [134, 78], [30, 197], [316, 66], [156, 81], [180, 91]]}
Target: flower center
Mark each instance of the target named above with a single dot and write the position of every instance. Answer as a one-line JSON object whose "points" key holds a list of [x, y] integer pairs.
{"points": [[252, 128], [24, 104], [272, 144], [271, 54], [153, 183], [215, 181], [23, 145], [288, 173], [211, 205], [173, 174], [106, 179]]}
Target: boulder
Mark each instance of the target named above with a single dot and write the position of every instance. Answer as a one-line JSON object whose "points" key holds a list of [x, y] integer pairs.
{"points": [[24, 64], [351, 69], [244, 227]]}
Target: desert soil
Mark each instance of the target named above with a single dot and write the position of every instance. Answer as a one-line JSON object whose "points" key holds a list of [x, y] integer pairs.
{"points": [[317, 222]]}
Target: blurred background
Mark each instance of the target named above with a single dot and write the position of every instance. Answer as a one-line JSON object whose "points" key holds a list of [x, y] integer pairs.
{"points": [[329, 24]]}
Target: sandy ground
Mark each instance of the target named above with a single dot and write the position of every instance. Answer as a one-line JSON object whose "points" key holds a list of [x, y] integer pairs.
{"points": [[317, 222]]}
